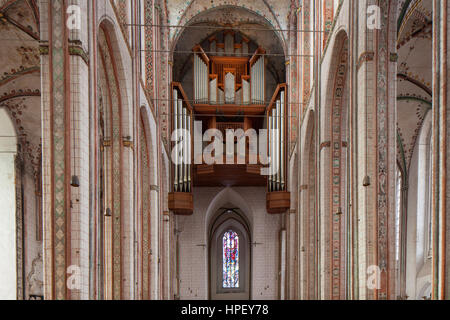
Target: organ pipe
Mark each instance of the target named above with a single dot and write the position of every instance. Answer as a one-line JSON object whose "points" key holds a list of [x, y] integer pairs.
{"points": [[182, 122], [252, 84], [279, 147], [184, 151], [198, 77], [282, 138], [275, 146], [201, 80], [257, 81], [180, 126], [202, 76], [202, 86], [200, 73], [277, 142], [271, 150], [205, 83], [175, 127], [276, 124], [274, 150], [261, 81], [195, 78], [272, 154], [275, 158], [188, 148]]}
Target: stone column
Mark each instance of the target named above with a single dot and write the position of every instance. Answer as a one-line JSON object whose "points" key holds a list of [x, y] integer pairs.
{"points": [[374, 152], [65, 127], [79, 154], [441, 152]]}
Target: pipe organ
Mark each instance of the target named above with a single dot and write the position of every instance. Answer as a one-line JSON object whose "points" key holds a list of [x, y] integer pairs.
{"points": [[276, 125], [278, 198], [257, 67], [182, 121], [201, 76], [228, 76], [180, 200], [229, 94]]}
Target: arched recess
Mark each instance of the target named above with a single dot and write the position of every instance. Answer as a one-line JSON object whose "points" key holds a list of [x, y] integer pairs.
{"points": [[20, 106], [112, 164], [414, 126], [8, 225], [145, 216], [292, 231], [400, 220], [334, 183], [419, 231], [205, 7], [231, 199], [226, 196], [309, 221], [246, 23], [165, 234], [229, 256]]}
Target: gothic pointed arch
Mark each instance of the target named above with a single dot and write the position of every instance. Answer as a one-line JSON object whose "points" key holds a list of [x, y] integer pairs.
{"points": [[230, 256], [146, 206], [334, 181], [116, 143], [309, 218], [415, 103]]}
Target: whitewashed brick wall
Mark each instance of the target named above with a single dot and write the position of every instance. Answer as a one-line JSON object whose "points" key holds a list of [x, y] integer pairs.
{"points": [[265, 230]]}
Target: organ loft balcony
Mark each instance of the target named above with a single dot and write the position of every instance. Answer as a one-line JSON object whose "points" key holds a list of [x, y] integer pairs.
{"points": [[235, 136]]}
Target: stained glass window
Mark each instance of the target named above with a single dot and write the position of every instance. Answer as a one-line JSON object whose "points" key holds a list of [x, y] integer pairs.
{"points": [[230, 260]]}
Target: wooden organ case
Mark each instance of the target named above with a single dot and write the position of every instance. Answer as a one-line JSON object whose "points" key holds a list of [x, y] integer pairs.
{"points": [[229, 93]]}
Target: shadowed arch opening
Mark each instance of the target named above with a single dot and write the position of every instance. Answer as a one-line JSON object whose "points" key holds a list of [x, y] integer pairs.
{"points": [[246, 24], [114, 217], [229, 255], [8, 241], [414, 106]]}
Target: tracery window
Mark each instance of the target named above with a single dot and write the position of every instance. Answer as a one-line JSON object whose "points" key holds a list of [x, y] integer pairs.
{"points": [[230, 262]]}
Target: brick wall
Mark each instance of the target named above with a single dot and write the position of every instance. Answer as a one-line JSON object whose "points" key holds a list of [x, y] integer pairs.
{"points": [[265, 231]]}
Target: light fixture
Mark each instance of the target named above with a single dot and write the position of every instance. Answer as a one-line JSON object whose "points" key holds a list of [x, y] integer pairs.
{"points": [[108, 212], [75, 182], [339, 212], [366, 181]]}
